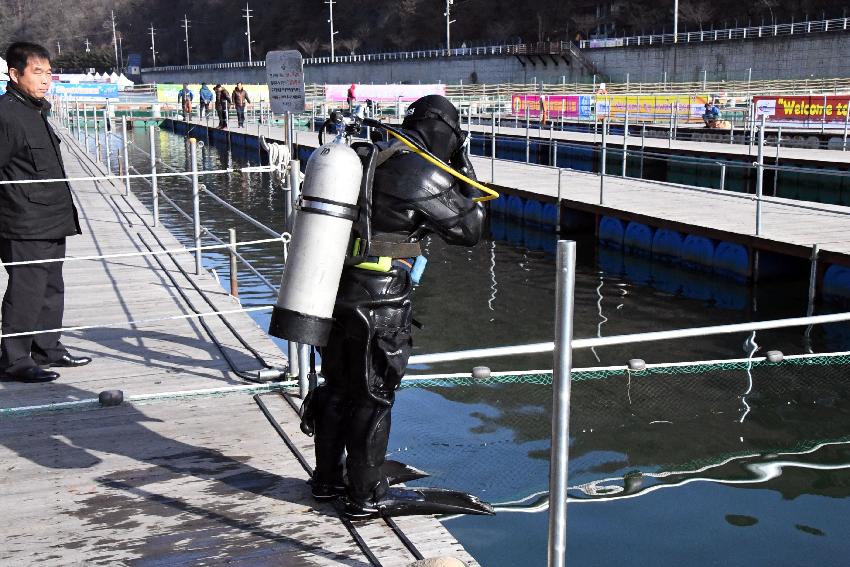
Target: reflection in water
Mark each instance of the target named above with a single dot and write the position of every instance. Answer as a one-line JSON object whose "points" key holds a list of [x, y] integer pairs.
{"points": [[751, 346], [493, 286], [636, 484]]}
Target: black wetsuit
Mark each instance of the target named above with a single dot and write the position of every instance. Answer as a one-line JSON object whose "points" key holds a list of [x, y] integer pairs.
{"points": [[370, 343]]}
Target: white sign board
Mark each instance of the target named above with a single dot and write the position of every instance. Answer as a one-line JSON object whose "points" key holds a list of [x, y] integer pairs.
{"points": [[285, 76]]}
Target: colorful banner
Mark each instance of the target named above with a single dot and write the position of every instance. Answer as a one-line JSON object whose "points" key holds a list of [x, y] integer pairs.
{"points": [[803, 110], [79, 90], [168, 93], [652, 107], [555, 106], [382, 93]]}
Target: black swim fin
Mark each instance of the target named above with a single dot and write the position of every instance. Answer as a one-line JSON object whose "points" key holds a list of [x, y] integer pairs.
{"points": [[418, 501], [395, 471], [399, 473]]}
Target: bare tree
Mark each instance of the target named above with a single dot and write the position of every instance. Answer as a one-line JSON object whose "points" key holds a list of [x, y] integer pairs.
{"points": [[696, 12], [309, 46], [350, 44]]}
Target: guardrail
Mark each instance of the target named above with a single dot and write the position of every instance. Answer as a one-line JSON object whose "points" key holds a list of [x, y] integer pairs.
{"points": [[749, 32]]}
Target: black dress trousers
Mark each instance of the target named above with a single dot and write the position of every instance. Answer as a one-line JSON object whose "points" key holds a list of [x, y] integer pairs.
{"points": [[34, 301]]}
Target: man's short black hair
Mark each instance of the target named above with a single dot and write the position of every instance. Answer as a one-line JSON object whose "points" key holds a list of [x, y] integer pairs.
{"points": [[19, 53]]}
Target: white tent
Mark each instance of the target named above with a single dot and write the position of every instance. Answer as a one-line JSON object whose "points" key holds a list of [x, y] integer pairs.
{"points": [[124, 82], [89, 78], [113, 78]]}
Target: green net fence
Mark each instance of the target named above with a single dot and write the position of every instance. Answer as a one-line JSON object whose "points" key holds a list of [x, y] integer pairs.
{"points": [[663, 424]]}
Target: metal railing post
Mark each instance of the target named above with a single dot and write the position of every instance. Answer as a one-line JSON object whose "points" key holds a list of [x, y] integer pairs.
{"points": [[493, 148], [196, 204], [77, 118], [126, 156], [303, 370], [776, 171], [96, 136], [722, 176], [642, 148], [846, 124], [626, 139], [558, 212], [106, 139], [86, 126], [154, 185], [289, 211], [561, 378], [604, 152], [670, 131], [527, 135], [760, 175], [234, 274]]}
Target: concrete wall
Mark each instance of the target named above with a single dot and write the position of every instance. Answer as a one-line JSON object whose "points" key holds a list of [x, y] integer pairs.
{"points": [[789, 57], [452, 70]]}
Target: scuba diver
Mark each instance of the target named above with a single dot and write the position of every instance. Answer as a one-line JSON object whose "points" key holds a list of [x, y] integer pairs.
{"points": [[370, 341]]}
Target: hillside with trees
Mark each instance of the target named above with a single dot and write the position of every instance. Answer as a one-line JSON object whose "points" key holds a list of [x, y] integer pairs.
{"points": [[217, 28]]}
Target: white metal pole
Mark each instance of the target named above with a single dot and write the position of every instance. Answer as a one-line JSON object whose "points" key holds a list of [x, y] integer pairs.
{"points": [[96, 135], [493, 147], [126, 144], [604, 153], [760, 176], [626, 138], [196, 204], [527, 134], [154, 185], [106, 138], [675, 21], [561, 378]]}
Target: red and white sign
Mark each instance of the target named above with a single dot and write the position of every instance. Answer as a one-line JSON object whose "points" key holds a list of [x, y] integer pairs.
{"points": [[802, 110]]}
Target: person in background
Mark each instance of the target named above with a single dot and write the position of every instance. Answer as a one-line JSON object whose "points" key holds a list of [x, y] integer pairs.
{"points": [[35, 219], [350, 97], [206, 97], [184, 99], [240, 101], [222, 101]]}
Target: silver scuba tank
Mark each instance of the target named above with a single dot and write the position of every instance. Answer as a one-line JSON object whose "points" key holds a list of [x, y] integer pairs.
{"points": [[320, 237]]}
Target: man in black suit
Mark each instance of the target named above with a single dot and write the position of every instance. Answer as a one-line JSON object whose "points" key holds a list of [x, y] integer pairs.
{"points": [[35, 218]]}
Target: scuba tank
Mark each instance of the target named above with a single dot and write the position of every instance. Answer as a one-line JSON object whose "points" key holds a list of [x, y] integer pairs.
{"points": [[320, 239]]}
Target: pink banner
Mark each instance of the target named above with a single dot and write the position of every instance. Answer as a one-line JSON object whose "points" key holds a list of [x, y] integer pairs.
{"points": [[382, 93], [556, 106]]}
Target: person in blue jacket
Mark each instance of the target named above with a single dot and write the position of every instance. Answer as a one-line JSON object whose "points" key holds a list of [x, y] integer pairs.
{"points": [[206, 97]]}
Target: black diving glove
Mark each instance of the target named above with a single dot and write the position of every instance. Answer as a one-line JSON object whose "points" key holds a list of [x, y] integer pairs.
{"points": [[460, 161]]}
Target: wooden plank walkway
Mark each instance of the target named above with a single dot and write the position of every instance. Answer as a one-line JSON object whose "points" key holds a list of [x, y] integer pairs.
{"points": [[175, 481], [727, 215]]}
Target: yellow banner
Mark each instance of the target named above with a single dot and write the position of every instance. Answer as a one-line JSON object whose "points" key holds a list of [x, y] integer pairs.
{"points": [[168, 93], [652, 107]]}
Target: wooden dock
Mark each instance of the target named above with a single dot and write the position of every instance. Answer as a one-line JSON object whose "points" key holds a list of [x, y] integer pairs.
{"points": [[177, 480], [788, 226]]}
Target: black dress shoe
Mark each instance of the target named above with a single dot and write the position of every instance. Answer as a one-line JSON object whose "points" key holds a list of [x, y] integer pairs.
{"points": [[31, 374], [68, 361]]}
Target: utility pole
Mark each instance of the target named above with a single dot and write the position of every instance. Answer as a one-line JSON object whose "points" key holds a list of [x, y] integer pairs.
{"points": [[58, 49], [675, 21], [449, 22], [153, 46], [88, 45], [121, 51], [330, 4], [185, 26], [114, 38], [248, 17]]}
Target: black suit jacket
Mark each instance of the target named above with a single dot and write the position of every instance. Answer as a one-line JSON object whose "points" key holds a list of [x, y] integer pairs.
{"points": [[29, 149]]}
